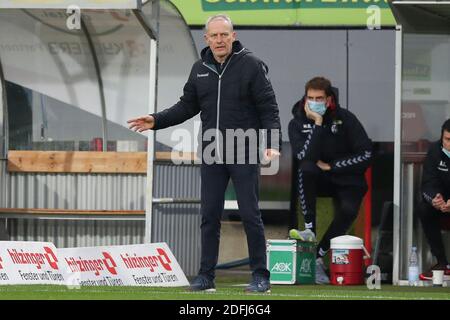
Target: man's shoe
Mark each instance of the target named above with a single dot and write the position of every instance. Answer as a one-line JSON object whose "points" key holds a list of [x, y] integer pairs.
{"points": [[428, 275], [321, 274], [259, 284], [306, 235], [202, 283]]}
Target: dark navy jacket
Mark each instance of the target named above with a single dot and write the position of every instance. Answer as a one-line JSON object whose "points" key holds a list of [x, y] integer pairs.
{"points": [[238, 97]]}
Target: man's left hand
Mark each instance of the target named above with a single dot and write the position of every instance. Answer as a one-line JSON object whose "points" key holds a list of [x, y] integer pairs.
{"points": [[271, 154], [323, 165], [446, 207]]}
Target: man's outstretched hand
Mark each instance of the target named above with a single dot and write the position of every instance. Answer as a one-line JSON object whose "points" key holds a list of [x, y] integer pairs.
{"points": [[142, 123]]}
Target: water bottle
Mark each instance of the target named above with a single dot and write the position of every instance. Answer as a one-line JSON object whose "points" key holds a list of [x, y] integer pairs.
{"points": [[413, 268]]}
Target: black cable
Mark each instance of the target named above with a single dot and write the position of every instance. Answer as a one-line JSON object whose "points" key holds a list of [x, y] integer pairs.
{"points": [[233, 264]]}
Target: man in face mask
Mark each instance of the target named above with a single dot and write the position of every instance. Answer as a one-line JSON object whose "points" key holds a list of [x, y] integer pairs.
{"points": [[436, 199], [333, 152]]}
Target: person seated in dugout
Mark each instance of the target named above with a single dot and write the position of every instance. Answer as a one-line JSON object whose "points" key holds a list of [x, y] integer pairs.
{"points": [[333, 152], [435, 202]]}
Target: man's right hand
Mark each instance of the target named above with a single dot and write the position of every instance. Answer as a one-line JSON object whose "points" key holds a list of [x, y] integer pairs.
{"points": [[438, 201], [317, 118], [323, 165], [142, 123]]}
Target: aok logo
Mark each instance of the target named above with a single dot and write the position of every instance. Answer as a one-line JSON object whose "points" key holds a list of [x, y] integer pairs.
{"points": [[281, 267], [306, 266]]}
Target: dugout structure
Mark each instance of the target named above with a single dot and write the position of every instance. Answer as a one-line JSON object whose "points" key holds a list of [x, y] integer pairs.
{"points": [[71, 172], [423, 80]]}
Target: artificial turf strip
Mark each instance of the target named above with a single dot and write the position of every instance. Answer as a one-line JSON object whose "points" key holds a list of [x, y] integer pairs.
{"points": [[225, 291]]}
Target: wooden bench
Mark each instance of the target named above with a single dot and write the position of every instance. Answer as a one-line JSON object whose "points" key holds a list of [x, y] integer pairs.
{"points": [[88, 161]]}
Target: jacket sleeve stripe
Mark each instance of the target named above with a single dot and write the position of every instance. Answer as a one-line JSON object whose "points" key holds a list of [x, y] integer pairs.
{"points": [[302, 153], [353, 161], [427, 197], [302, 197]]}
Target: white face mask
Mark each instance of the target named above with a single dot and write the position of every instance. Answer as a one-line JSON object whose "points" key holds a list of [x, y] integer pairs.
{"points": [[447, 153]]}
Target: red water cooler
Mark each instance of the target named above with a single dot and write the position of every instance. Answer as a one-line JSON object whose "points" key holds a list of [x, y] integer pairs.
{"points": [[347, 261]]}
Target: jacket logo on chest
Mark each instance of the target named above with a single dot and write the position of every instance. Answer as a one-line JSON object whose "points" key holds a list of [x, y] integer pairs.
{"points": [[202, 75], [307, 127], [335, 126], [442, 166]]}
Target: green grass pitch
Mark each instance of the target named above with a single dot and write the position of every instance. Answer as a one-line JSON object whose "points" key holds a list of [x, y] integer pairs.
{"points": [[227, 289]]}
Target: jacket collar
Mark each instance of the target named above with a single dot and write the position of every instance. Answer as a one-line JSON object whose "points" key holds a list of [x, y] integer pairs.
{"points": [[208, 57]]}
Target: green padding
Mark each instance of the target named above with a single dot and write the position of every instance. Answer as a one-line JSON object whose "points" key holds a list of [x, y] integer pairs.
{"points": [[225, 5], [287, 13]]}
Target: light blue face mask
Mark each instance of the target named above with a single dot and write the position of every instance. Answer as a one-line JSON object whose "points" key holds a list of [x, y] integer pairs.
{"points": [[318, 107], [447, 153]]}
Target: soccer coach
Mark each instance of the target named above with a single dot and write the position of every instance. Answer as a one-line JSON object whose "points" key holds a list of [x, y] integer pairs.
{"points": [[231, 90]]}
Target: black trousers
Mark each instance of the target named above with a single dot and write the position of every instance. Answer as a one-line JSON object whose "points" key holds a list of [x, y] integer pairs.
{"points": [[314, 182], [431, 225], [245, 178]]}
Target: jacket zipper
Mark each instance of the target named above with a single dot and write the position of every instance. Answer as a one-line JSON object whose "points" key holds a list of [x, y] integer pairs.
{"points": [[218, 101]]}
